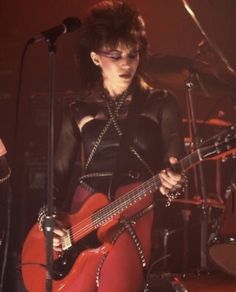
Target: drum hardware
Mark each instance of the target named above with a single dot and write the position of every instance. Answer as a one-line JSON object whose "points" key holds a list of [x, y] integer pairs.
{"points": [[222, 246], [165, 253], [211, 122], [166, 282], [166, 234], [197, 201], [200, 77], [223, 61], [176, 243], [186, 214], [169, 282], [171, 72], [199, 178]]}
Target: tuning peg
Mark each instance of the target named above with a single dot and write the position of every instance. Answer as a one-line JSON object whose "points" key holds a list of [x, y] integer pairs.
{"points": [[234, 155]]}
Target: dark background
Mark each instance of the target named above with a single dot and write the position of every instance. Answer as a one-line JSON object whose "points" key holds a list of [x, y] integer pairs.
{"points": [[171, 32]]}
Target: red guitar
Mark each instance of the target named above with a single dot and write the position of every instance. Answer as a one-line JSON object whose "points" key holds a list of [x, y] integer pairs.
{"points": [[99, 213]]}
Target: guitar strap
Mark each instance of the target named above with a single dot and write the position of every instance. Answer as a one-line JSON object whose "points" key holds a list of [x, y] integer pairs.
{"points": [[126, 139]]}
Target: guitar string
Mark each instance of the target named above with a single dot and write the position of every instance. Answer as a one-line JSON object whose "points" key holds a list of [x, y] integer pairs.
{"points": [[125, 204], [113, 211]]}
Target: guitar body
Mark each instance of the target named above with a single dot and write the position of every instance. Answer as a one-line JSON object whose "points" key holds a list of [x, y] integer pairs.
{"points": [[34, 253]]}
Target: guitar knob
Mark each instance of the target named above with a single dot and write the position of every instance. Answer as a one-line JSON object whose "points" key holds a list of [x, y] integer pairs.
{"points": [[224, 159]]}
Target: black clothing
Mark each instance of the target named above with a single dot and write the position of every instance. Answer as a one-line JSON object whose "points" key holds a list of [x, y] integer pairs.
{"points": [[157, 136]]}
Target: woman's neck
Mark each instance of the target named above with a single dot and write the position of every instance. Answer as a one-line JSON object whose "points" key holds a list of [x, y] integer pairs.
{"points": [[114, 92]]}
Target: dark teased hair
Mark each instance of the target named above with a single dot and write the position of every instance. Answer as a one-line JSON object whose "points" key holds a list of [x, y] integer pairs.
{"points": [[107, 23]]}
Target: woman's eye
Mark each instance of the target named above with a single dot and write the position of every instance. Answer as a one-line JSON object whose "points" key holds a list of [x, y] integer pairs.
{"points": [[115, 56], [133, 55]]}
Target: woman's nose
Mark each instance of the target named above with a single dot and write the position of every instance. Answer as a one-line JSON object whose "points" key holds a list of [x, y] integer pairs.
{"points": [[126, 63]]}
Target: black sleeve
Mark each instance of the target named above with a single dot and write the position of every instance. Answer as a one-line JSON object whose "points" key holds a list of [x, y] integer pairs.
{"points": [[67, 150], [171, 129]]}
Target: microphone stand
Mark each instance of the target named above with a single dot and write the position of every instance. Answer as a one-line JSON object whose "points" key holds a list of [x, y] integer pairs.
{"points": [[50, 220], [194, 144]]}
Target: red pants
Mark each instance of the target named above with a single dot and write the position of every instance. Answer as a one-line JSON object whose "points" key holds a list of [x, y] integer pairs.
{"points": [[121, 270]]}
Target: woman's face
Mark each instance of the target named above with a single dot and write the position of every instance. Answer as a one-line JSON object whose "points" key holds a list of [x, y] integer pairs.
{"points": [[118, 66]]}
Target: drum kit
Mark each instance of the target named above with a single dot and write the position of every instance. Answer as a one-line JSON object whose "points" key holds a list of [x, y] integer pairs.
{"points": [[198, 231]]}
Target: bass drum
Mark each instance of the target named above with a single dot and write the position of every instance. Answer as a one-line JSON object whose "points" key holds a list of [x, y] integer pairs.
{"points": [[222, 250]]}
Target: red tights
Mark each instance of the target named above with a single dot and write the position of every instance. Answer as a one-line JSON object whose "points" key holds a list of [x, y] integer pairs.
{"points": [[121, 270]]}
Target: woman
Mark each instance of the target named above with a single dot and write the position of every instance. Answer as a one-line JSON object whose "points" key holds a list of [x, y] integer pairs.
{"points": [[122, 131]]}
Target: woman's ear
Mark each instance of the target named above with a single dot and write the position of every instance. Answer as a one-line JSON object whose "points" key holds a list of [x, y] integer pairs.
{"points": [[95, 58]]}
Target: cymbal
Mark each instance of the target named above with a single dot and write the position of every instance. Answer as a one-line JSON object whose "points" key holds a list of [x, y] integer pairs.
{"points": [[212, 86], [161, 64], [212, 122], [165, 63], [172, 72]]}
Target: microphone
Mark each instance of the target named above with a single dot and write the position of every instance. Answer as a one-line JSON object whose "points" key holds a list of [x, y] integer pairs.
{"points": [[70, 24]]}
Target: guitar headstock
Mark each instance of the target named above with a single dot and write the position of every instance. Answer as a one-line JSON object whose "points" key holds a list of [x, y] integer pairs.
{"points": [[220, 145]]}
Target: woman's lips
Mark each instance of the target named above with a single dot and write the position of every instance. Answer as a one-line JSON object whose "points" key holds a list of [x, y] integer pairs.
{"points": [[125, 75]]}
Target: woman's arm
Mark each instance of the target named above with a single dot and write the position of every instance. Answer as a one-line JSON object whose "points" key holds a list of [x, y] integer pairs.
{"points": [[172, 143], [67, 150]]}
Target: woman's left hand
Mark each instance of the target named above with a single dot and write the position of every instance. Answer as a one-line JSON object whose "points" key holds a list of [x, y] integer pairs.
{"points": [[169, 179]]}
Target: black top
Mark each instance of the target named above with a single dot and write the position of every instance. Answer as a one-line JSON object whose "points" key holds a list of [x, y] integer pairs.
{"points": [[156, 136]]}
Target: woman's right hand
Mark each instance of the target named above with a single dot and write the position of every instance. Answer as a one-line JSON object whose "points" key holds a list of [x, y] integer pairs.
{"points": [[58, 233], [59, 230]]}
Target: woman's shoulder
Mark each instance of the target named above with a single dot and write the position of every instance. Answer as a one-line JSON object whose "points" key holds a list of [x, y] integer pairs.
{"points": [[161, 95], [87, 98], [157, 99], [84, 104]]}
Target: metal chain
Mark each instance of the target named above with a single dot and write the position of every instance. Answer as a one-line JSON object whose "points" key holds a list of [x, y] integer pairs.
{"points": [[141, 160], [97, 143], [126, 224], [100, 265], [137, 155], [112, 119]]}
